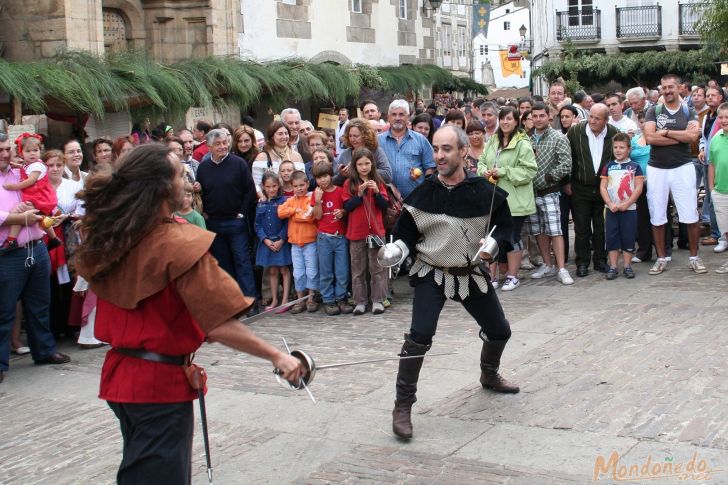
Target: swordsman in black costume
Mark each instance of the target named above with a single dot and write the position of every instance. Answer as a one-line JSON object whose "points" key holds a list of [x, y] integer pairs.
{"points": [[442, 227]]}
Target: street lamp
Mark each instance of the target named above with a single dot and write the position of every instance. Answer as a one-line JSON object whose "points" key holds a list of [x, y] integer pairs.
{"points": [[524, 47]]}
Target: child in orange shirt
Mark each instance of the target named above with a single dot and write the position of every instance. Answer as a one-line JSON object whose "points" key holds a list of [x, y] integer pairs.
{"points": [[302, 234]]}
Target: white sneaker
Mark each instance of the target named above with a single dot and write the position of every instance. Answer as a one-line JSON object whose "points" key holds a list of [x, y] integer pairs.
{"points": [[377, 308], [696, 264], [360, 309], [495, 284], [668, 259], [659, 266], [721, 246], [635, 259], [564, 277], [511, 283], [543, 272], [722, 269]]}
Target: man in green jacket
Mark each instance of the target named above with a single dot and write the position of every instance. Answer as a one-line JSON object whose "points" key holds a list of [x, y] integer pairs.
{"points": [[591, 149]]}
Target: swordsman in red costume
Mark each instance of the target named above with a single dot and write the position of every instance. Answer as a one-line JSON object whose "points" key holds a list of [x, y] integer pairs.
{"points": [[160, 296]]}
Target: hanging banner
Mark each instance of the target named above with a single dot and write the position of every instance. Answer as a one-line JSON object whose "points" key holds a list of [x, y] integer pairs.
{"points": [[481, 17], [510, 67]]}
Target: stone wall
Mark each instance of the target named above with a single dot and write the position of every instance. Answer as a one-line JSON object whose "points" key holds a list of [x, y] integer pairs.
{"points": [[38, 29], [170, 31]]}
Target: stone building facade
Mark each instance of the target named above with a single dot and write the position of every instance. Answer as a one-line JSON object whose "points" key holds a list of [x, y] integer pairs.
{"points": [[170, 31], [376, 32], [454, 44]]}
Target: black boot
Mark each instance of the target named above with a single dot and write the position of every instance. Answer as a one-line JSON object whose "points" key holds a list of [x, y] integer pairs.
{"points": [[489, 362], [407, 376]]}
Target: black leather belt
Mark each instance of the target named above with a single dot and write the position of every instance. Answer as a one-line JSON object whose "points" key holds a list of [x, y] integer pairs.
{"points": [[462, 271], [153, 356]]}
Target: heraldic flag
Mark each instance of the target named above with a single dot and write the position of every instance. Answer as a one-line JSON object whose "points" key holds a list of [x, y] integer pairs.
{"points": [[481, 17], [510, 68]]}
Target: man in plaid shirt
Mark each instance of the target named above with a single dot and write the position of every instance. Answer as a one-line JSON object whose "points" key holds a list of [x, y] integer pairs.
{"points": [[553, 156]]}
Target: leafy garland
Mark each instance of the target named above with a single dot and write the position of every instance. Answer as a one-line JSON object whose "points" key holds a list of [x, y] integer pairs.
{"points": [[131, 80], [634, 68]]}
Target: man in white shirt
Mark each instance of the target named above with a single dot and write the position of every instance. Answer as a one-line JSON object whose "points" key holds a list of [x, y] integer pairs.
{"points": [[616, 116], [340, 128], [591, 149]]}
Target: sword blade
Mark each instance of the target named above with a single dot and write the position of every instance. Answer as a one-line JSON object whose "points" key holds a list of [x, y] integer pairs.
{"points": [[267, 313], [345, 364]]}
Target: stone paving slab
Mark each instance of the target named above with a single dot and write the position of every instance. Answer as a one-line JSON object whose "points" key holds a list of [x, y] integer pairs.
{"points": [[636, 367], [544, 449], [396, 465]]}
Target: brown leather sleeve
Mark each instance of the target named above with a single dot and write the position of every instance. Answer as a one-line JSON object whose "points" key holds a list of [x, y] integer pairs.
{"points": [[210, 294]]}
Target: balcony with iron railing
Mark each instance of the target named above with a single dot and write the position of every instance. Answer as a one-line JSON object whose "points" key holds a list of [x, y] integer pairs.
{"points": [[636, 23], [577, 25], [690, 14]]}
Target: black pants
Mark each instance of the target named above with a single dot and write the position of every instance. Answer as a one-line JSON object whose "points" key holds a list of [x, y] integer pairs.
{"points": [[587, 208], [157, 443], [60, 308], [430, 298], [565, 207]]}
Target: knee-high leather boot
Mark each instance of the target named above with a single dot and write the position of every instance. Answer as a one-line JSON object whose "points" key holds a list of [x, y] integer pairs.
{"points": [[490, 358], [407, 377]]}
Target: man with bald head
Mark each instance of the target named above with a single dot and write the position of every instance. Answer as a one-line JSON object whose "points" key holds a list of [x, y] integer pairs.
{"points": [[591, 149], [443, 223]]}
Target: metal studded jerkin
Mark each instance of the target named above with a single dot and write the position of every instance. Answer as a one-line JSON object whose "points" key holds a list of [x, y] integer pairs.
{"points": [[445, 247]]}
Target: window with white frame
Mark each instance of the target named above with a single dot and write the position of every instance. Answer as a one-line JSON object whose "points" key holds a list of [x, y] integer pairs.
{"points": [[506, 26], [403, 9], [581, 12], [462, 41], [356, 6], [446, 40]]}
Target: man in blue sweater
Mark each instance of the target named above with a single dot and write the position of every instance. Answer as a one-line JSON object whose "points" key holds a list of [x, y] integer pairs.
{"points": [[228, 194]]}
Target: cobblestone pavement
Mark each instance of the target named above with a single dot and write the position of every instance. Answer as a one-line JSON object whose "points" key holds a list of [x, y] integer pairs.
{"points": [[633, 367]]}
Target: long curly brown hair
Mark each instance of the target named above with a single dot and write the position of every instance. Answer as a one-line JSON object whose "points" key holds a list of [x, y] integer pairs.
{"points": [[123, 205], [367, 132]]}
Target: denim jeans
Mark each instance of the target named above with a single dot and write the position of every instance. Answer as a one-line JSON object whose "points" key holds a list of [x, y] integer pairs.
{"points": [[305, 266], [709, 213], [231, 248], [333, 264], [32, 286]]}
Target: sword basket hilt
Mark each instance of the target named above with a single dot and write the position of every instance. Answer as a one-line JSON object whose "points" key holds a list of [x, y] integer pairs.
{"points": [[308, 363]]}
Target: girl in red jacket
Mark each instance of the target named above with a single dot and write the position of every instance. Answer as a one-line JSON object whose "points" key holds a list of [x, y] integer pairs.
{"points": [[365, 199]]}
